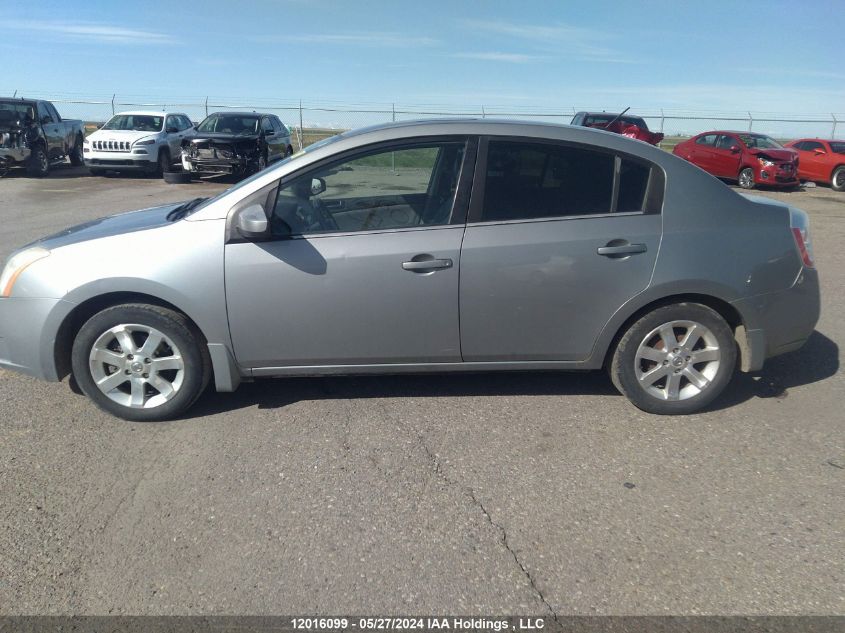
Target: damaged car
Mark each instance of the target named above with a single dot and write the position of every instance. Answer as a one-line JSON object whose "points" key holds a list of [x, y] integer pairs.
{"points": [[745, 157], [33, 135], [627, 125], [236, 143]]}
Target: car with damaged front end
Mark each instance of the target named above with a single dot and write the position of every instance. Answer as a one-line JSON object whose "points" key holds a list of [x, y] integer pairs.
{"points": [[237, 143], [35, 136]]}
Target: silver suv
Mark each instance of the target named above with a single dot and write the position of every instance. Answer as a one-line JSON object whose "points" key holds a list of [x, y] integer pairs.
{"points": [[423, 247]]}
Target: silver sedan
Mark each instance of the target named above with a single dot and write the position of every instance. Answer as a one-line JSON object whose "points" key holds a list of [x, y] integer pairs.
{"points": [[431, 246]]}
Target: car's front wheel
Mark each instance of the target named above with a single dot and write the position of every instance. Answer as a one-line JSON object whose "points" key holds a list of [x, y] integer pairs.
{"points": [[39, 163], [140, 362], [676, 359], [746, 178]]}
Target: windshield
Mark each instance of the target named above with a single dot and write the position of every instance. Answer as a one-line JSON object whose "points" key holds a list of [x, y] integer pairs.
{"points": [[837, 147], [759, 141], [135, 123], [23, 110], [229, 124], [243, 183]]}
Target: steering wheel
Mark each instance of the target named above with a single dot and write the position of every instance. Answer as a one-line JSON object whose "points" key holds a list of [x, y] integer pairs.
{"points": [[325, 219]]}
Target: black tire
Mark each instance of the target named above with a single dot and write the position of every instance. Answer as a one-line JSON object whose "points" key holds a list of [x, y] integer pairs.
{"points": [[177, 177], [76, 156], [39, 163], [177, 331], [625, 364], [163, 163], [746, 178], [837, 179]]}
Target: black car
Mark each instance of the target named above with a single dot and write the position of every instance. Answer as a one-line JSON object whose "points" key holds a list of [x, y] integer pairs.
{"points": [[239, 143]]}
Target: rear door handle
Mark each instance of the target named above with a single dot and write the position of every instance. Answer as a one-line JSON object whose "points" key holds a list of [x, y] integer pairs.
{"points": [[621, 249], [427, 264]]}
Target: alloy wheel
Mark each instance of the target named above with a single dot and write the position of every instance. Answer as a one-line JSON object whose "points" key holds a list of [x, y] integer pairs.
{"points": [[136, 366], [677, 360], [746, 179]]}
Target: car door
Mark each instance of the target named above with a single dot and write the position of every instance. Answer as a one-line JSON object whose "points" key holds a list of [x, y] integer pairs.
{"points": [[812, 160], [726, 156], [175, 129], [702, 152], [371, 278], [270, 138], [52, 131], [561, 236]]}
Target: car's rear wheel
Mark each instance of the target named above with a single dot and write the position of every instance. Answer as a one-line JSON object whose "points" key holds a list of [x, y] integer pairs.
{"points": [[676, 359], [76, 157], [837, 181], [140, 362], [39, 163], [746, 178]]}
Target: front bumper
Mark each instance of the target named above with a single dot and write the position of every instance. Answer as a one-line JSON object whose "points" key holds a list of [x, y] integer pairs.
{"points": [[125, 163], [9, 157], [236, 165], [28, 329], [778, 175], [781, 322]]}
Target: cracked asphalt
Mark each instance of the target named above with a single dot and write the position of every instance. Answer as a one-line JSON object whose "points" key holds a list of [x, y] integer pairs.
{"points": [[535, 493]]}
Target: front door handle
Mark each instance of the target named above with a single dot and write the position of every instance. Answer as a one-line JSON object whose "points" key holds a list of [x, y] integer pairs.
{"points": [[424, 265], [616, 250]]}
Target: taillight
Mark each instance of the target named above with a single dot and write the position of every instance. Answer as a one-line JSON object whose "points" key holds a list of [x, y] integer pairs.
{"points": [[802, 240]]}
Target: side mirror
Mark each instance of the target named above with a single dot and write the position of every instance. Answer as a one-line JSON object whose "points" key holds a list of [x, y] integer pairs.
{"points": [[318, 186], [735, 149], [171, 130], [251, 223]]}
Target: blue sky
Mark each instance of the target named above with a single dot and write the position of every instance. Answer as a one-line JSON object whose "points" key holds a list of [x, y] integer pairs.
{"points": [[774, 56]]}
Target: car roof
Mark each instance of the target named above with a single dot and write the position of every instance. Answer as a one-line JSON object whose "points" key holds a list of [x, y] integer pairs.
{"points": [[148, 112], [242, 113], [737, 132]]}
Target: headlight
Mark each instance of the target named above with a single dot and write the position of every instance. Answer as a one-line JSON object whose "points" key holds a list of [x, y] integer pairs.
{"points": [[147, 141], [765, 162], [16, 265]]}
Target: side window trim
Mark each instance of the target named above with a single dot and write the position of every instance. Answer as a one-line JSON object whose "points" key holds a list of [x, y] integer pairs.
{"points": [[652, 202]]}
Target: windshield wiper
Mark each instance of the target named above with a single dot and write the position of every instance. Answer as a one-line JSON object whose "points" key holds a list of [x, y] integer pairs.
{"points": [[184, 209]]}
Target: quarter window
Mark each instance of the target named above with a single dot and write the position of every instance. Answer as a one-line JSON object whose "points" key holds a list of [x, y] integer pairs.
{"points": [[404, 187]]}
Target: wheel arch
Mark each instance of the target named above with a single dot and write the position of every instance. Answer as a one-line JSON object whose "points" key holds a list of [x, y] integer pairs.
{"points": [[833, 170], [724, 308], [83, 311]]}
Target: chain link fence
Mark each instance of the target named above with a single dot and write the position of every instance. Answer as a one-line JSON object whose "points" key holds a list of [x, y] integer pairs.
{"points": [[312, 121]]}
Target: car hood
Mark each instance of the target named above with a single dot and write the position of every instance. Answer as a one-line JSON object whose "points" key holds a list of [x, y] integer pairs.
{"points": [[106, 227], [219, 136], [783, 154], [120, 135]]}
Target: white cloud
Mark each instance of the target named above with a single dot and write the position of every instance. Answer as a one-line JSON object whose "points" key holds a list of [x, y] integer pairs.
{"points": [[495, 56], [374, 39], [92, 32], [582, 43]]}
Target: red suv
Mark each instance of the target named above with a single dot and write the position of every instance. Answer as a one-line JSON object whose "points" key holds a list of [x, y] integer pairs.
{"points": [[749, 158]]}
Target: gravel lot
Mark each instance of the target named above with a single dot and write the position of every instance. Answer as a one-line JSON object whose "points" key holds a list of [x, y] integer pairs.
{"points": [[522, 494]]}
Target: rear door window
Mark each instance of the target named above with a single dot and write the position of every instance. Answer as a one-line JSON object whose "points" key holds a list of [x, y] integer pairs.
{"points": [[527, 180], [707, 139]]}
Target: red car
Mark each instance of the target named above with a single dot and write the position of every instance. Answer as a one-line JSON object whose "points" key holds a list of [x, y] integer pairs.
{"points": [[821, 161], [749, 158]]}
